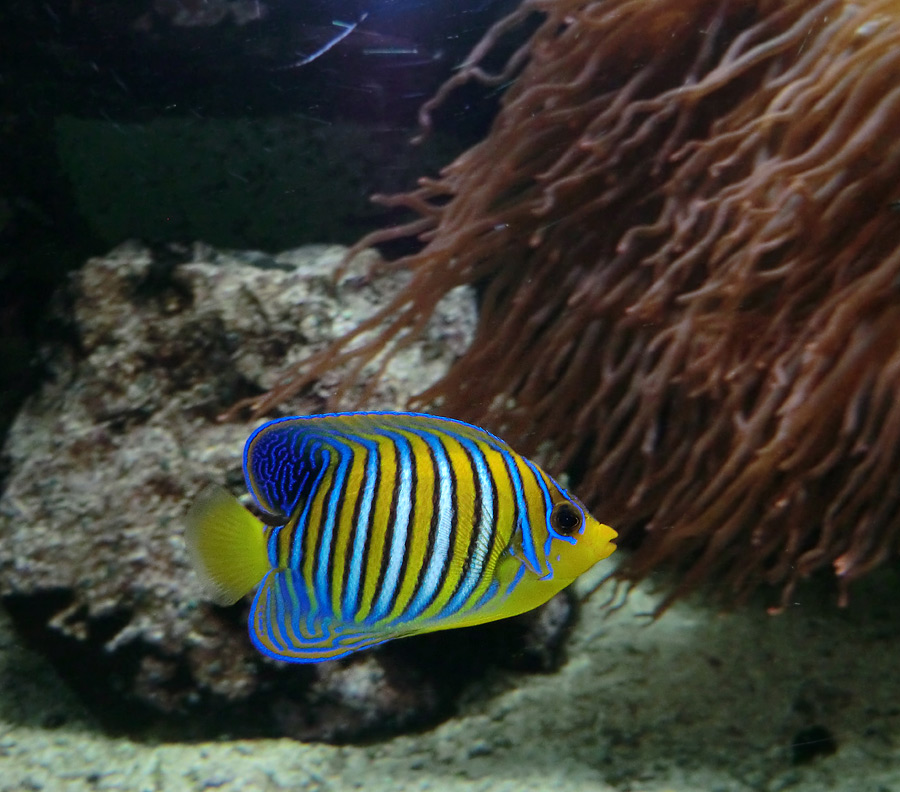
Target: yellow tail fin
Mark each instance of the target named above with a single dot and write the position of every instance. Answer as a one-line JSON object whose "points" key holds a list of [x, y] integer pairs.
{"points": [[227, 545]]}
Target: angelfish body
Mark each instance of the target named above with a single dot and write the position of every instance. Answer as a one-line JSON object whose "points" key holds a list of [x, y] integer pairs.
{"points": [[386, 525]]}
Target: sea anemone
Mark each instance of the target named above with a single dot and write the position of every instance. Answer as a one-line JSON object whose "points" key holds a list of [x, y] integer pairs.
{"points": [[684, 222]]}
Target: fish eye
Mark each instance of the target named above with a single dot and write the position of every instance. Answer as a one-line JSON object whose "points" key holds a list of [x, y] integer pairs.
{"points": [[565, 518]]}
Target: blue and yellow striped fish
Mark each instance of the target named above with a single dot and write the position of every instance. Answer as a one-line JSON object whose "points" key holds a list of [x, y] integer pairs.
{"points": [[384, 525]]}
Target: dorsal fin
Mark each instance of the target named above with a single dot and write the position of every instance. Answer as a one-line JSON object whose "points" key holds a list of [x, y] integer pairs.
{"points": [[283, 457], [282, 460]]}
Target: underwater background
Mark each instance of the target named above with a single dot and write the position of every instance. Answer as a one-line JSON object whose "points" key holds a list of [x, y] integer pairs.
{"points": [[653, 244]]}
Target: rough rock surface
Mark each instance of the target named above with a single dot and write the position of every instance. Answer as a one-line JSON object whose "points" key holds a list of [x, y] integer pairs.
{"points": [[103, 462]]}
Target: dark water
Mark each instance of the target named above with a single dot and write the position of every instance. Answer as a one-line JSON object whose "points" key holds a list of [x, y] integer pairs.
{"points": [[248, 125]]}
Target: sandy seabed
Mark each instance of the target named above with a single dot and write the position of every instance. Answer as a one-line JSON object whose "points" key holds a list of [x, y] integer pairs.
{"points": [[696, 701]]}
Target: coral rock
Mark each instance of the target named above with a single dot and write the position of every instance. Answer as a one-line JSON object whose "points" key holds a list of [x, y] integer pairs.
{"points": [[104, 461]]}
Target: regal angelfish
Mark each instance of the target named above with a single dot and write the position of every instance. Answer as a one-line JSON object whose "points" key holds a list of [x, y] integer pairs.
{"points": [[384, 525]]}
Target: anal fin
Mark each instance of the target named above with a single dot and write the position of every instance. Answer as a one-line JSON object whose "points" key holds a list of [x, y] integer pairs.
{"points": [[285, 625]]}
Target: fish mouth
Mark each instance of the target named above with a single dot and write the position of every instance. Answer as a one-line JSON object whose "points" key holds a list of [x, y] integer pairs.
{"points": [[604, 544]]}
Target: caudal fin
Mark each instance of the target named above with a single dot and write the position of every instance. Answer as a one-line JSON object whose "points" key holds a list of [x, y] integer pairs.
{"points": [[227, 545]]}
